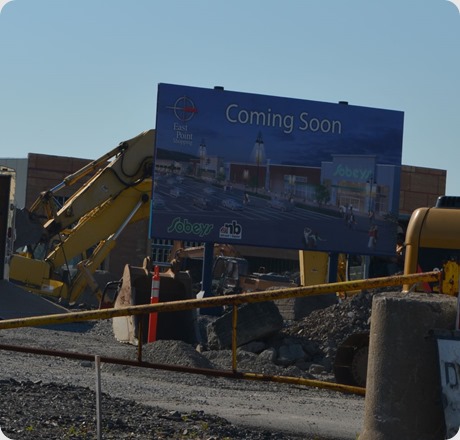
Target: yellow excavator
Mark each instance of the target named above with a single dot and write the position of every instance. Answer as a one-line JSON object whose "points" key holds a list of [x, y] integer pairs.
{"points": [[62, 246], [117, 191]]}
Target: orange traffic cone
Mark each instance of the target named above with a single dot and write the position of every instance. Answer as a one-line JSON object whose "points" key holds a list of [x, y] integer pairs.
{"points": [[154, 298]]}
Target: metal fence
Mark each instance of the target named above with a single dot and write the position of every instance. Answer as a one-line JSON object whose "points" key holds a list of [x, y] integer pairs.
{"points": [[229, 300]]}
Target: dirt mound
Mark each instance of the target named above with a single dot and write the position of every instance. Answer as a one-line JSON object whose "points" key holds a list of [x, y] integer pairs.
{"points": [[329, 327], [174, 353]]}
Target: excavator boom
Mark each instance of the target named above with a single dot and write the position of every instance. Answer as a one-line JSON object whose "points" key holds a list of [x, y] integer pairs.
{"points": [[92, 218], [131, 165]]}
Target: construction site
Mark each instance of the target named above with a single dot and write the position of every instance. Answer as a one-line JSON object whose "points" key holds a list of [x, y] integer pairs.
{"points": [[84, 283]]}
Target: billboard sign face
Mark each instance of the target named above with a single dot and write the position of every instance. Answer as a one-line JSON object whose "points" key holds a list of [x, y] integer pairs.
{"points": [[259, 170]]}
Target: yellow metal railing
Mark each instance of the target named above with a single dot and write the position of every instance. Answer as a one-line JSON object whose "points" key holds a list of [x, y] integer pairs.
{"points": [[243, 298], [231, 300]]}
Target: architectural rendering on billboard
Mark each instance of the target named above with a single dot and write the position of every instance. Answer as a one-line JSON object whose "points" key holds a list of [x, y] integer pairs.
{"points": [[260, 170]]}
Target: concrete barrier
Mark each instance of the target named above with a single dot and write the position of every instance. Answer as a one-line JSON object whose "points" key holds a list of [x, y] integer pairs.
{"points": [[403, 392]]}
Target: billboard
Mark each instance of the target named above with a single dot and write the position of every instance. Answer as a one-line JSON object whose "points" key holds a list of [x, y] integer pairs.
{"points": [[259, 170]]}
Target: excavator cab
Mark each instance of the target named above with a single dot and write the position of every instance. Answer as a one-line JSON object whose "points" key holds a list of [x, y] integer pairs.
{"points": [[227, 272]]}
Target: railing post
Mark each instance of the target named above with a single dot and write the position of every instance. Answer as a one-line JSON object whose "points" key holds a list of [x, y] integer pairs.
{"points": [[234, 336]]}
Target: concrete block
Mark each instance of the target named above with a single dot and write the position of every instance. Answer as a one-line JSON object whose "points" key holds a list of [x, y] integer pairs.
{"points": [[403, 392], [255, 321]]}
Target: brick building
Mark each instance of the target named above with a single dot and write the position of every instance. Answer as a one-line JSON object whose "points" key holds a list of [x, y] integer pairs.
{"points": [[419, 187]]}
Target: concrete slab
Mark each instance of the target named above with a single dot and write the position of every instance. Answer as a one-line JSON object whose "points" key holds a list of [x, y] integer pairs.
{"points": [[18, 303], [403, 391]]}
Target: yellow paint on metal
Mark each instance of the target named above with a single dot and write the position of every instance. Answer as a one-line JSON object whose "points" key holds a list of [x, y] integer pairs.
{"points": [[272, 295], [449, 284], [308, 382], [191, 370], [233, 300]]}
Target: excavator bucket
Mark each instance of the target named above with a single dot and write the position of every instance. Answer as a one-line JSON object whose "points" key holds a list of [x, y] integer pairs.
{"points": [[136, 288]]}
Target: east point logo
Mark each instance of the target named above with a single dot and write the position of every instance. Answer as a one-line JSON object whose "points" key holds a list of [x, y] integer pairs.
{"points": [[235, 115], [182, 137]]}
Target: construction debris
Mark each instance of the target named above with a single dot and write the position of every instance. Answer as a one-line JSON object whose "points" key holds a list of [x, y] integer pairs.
{"points": [[267, 344], [256, 321]]}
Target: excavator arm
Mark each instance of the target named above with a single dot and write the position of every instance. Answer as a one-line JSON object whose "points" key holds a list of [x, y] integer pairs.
{"points": [[131, 164], [92, 218]]}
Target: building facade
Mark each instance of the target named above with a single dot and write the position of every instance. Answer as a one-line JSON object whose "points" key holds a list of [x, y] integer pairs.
{"points": [[418, 187]]}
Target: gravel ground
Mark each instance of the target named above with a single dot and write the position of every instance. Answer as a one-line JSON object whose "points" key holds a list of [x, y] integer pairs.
{"points": [[34, 410], [54, 398]]}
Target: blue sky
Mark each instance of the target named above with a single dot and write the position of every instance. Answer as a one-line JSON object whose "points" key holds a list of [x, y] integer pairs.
{"points": [[78, 77]]}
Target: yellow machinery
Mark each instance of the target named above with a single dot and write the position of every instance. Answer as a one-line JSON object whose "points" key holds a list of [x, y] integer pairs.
{"points": [[315, 268], [433, 241], [75, 239], [116, 193]]}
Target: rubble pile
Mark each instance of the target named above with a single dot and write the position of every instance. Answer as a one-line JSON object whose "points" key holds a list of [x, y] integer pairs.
{"points": [[304, 348], [50, 390], [330, 327]]}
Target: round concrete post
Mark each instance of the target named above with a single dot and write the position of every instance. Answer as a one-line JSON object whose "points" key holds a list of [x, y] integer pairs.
{"points": [[403, 393]]}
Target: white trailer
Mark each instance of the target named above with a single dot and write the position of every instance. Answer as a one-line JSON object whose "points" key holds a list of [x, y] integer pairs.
{"points": [[7, 213]]}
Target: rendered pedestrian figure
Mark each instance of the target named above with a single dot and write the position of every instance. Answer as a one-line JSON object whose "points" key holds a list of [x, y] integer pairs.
{"points": [[371, 216], [351, 221], [373, 235], [350, 216], [308, 236], [311, 238]]}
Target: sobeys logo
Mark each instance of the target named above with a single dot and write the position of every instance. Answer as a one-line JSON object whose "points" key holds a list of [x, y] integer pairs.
{"points": [[231, 230], [356, 173], [185, 227]]}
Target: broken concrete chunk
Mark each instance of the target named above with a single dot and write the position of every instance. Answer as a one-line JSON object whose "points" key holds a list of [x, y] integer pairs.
{"points": [[255, 321]]}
